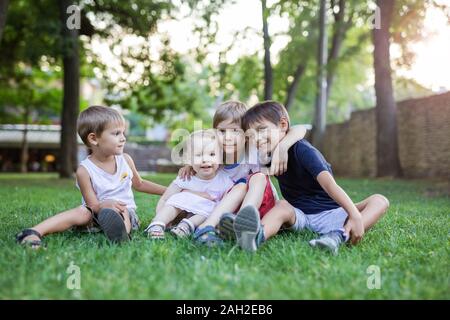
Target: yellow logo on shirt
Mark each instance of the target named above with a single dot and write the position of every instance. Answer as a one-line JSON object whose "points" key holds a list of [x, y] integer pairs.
{"points": [[123, 176]]}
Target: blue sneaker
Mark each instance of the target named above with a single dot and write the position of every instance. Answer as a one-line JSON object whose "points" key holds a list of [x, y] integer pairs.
{"points": [[248, 229], [208, 236], [225, 227]]}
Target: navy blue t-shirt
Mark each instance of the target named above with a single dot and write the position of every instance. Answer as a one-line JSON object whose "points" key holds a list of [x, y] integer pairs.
{"points": [[299, 184]]}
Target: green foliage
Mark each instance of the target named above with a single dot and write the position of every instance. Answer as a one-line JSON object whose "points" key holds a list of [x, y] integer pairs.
{"points": [[33, 96], [242, 79]]}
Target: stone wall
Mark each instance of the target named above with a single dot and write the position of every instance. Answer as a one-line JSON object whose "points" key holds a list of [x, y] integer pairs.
{"points": [[423, 136]]}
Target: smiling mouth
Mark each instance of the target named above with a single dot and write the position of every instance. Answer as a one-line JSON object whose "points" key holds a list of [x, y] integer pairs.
{"points": [[208, 166]]}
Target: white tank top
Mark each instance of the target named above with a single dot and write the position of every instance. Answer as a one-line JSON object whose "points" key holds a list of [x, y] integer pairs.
{"points": [[108, 186]]}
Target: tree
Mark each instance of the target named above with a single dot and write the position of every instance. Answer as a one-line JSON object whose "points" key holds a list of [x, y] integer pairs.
{"points": [[268, 79], [37, 29], [321, 98], [388, 163], [3, 10], [71, 97]]}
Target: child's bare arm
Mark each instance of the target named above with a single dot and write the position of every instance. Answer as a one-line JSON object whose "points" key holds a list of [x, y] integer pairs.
{"points": [[142, 185], [354, 226], [171, 190], [280, 153], [89, 196]]}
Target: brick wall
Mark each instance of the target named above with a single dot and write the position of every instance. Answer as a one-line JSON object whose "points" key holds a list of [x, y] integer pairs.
{"points": [[423, 136]]}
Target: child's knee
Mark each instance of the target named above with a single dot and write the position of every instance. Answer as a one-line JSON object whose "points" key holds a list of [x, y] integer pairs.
{"points": [[285, 209], [83, 215], [384, 202], [258, 178]]}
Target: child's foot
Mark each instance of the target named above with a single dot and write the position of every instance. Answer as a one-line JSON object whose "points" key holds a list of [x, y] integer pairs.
{"points": [[184, 229], [248, 229], [113, 225], [29, 237], [225, 227], [330, 242], [155, 231], [207, 236]]}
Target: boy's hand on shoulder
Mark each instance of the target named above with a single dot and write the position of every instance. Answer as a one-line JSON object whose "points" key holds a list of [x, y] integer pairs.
{"points": [[186, 172], [355, 229], [279, 160]]}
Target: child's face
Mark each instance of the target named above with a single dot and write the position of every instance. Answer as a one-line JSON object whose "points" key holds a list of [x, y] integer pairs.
{"points": [[112, 140], [205, 157], [268, 135], [231, 137]]}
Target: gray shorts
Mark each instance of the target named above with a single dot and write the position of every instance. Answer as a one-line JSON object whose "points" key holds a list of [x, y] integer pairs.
{"points": [[94, 227], [322, 222]]}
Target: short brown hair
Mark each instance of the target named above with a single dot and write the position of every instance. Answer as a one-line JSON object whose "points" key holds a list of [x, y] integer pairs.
{"points": [[267, 110], [95, 119], [231, 109]]}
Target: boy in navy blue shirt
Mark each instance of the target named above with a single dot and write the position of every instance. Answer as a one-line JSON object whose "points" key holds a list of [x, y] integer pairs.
{"points": [[313, 199]]}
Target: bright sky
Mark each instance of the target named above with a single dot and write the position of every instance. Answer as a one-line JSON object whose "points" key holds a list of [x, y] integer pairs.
{"points": [[431, 68], [432, 64]]}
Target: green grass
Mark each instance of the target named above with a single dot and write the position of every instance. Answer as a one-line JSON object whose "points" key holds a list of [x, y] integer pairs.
{"points": [[410, 245]]}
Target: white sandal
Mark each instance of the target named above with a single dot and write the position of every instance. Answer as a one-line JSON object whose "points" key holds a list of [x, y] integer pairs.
{"points": [[155, 230], [184, 229]]}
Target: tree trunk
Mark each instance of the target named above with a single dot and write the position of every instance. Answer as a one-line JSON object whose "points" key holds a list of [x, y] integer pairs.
{"points": [[388, 163], [320, 114], [71, 105], [292, 90], [268, 81], [3, 11], [340, 29], [24, 147]]}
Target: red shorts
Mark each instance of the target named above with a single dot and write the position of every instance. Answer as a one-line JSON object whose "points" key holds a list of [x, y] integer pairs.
{"points": [[268, 201]]}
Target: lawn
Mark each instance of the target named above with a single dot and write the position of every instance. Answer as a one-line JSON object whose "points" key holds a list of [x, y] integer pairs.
{"points": [[410, 246]]}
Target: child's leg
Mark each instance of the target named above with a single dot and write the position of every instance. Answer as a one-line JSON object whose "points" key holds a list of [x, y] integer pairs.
{"points": [[372, 209], [281, 214], [197, 219], [229, 203], [187, 226], [157, 227], [256, 186], [251, 232], [259, 196], [63, 221], [127, 220], [166, 214]]}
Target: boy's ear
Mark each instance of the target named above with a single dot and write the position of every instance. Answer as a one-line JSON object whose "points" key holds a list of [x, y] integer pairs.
{"points": [[284, 124], [92, 139]]}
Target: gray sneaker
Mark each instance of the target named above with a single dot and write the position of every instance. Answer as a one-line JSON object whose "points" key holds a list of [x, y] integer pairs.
{"points": [[330, 242], [248, 229]]}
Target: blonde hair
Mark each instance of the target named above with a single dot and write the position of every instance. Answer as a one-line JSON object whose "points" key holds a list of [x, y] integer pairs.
{"points": [[188, 144], [95, 119], [233, 110]]}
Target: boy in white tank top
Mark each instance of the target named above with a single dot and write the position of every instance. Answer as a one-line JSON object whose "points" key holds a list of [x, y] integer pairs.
{"points": [[105, 179]]}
